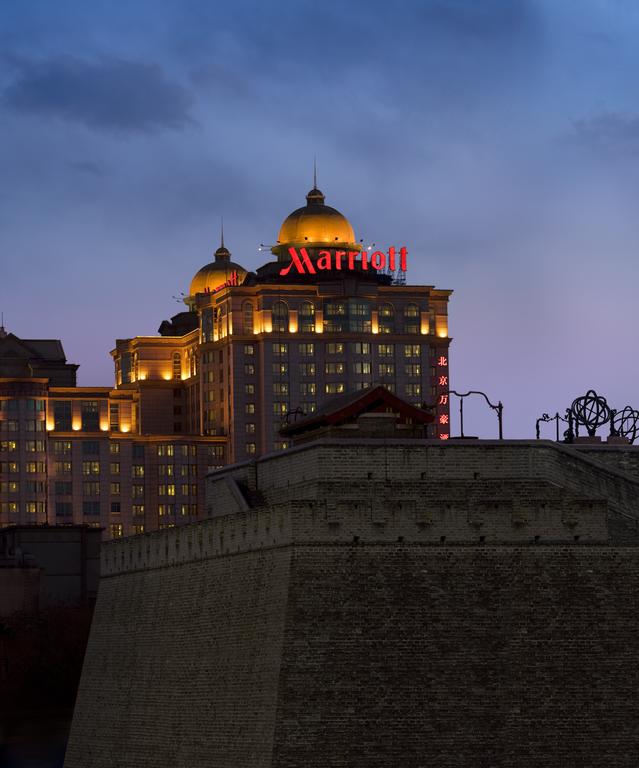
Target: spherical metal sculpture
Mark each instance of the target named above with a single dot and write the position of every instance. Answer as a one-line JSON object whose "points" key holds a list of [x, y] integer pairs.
{"points": [[591, 411], [626, 423]]}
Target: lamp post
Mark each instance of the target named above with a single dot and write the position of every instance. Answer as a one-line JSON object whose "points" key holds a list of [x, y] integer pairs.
{"points": [[499, 408]]}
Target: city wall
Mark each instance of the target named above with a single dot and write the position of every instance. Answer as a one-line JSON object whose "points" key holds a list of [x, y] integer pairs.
{"points": [[323, 617]]}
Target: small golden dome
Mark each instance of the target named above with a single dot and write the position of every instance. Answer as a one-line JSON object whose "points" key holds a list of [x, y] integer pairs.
{"points": [[214, 275], [316, 225]]}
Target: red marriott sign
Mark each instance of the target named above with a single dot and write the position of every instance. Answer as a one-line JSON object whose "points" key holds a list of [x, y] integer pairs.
{"points": [[337, 260]]}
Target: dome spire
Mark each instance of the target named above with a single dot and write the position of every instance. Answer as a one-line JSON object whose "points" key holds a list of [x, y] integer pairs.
{"points": [[314, 171], [222, 253], [315, 196]]}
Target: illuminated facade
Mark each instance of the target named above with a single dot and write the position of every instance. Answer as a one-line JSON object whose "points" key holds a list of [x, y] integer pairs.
{"points": [[259, 348], [253, 351]]}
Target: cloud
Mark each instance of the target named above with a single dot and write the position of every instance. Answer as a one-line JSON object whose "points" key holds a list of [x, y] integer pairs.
{"points": [[111, 95], [610, 130], [86, 167]]}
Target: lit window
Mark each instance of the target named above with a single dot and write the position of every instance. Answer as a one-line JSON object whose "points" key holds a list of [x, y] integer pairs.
{"points": [[177, 366], [250, 448], [413, 370], [386, 369], [335, 349], [361, 348], [280, 350], [247, 317], [411, 350], [334, 388], [279, 314], [306, 317], [116, 530], [361, 368], [386, 350]]}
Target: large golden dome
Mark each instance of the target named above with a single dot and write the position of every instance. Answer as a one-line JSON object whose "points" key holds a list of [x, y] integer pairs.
{"points": [[214, 275], [316, 225]]}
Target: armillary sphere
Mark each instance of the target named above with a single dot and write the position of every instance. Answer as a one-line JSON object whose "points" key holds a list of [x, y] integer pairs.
{"points": [[591, 411], [626, 423]]}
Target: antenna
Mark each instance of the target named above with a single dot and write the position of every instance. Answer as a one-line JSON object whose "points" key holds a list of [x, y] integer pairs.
{"points": [[222, 231], [314, 171]]}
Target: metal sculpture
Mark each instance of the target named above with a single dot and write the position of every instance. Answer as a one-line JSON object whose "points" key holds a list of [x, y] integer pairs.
{"points": [[625, 423], [499, 409], [591, 411]]}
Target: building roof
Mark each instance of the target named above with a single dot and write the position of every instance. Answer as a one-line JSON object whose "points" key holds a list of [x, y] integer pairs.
{"points": [[345, 408]]}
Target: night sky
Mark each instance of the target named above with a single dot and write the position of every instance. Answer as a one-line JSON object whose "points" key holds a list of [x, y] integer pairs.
{"points": [[497, 139]]}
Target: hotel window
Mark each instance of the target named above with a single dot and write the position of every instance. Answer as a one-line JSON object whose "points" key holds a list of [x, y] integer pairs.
{"points": [[90, 508], [114, 448], [184, 450], [334, 388], [34, 446], [136, 367], [249, 349], [334, 349], [247, 317], [177, 366], [90, 467], [115, 467], [9, 507], [309, 407], [11, 467], [411, 318], [137, 510], [63, 467], [386, 350], [137, 491], [306, 317], [249, 408], [90, 488], [162, 489], [362, 368], [280, 369], [62, 415], [280, 409], [33, 467], [114, 417], [90, 415], [412, 390], [308, 388], [386, 318], [411, 350], [166, 510], [138, 451], [10, 446], [335, 315], [116, 530], [31, 507], [386, 369], [359, 316], [280, 388], [63, 509], [250, 448], [280, 350], [184, 470], [249, 389], [249, 369], [138, 529], [307, 369], [279, 313], [164, 470], [413, 370], [137, 470], [114, 489], [90, 447], [307, 350], [33, 426], [63, 488], [12, 425], [170, 490], [361, 348], [280, 445], [333, 368], [185, 489], [249, 428]]}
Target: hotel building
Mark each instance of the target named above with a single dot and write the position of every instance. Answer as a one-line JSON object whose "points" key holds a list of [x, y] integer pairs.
{"points": [[253, 351]]}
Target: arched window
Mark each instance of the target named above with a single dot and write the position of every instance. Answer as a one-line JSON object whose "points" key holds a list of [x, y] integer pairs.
{"points": [[247, 316], [279, 313], [306, 317], [386, 318], [177, 366], [136, 366], [411, 318]]}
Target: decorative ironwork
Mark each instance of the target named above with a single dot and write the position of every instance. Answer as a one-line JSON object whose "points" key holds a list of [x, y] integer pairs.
{"points": [[625, 423], [591, 411], [499, 409]]}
